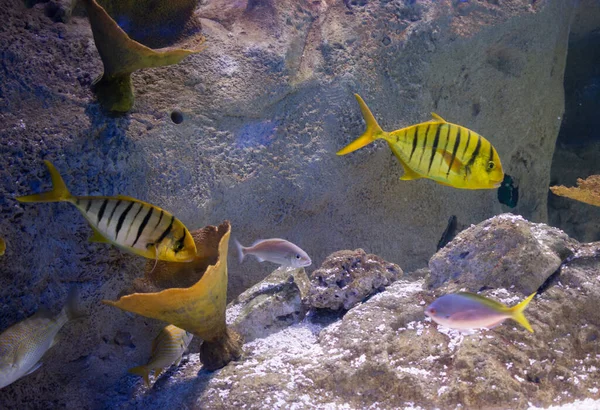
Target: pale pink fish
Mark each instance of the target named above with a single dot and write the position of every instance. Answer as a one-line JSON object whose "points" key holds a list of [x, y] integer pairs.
{"points": [[277, 251]]}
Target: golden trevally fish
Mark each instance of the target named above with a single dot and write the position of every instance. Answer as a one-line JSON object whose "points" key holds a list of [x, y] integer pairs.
{"points": [[23, 344], [446, 153], [128, 223], [167, 348]]}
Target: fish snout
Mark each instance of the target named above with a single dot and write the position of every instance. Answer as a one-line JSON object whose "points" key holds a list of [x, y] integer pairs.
{"points": [[430, 312]]}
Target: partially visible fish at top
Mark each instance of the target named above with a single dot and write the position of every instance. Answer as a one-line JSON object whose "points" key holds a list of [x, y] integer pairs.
{"points": [[167, 349], [447, 153], [465, 310], [23, 344], [128, 223], [277, 251], [2, 246]]}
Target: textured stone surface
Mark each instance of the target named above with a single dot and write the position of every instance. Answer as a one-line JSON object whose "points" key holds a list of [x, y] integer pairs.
{"points": [[505, 251], [348, 277], [270, 305], [386, 354], [265, 108]]}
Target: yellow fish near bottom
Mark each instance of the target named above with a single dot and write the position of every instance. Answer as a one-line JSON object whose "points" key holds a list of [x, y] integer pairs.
{"points": [[447, 153], [167, 348]]}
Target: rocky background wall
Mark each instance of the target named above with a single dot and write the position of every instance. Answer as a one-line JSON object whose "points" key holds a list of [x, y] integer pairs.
{"points": [[265, 108]]}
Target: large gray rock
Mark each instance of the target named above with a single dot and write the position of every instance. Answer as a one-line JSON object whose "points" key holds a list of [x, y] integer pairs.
{"points": [[505, 251], [347, 277], [271, 305], [265, 108], [386, 354]]}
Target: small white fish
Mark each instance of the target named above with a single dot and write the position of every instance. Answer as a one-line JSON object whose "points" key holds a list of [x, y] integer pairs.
{"points": [[167, 349], [23, 344], [277, 251]]}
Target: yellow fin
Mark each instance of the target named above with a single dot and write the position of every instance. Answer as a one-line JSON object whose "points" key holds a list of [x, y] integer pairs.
{"points": [[97, 237], [142, 371], [59, 189], [409, 174], [444, 183], [437, 117], [517, 315], [372, 132]]}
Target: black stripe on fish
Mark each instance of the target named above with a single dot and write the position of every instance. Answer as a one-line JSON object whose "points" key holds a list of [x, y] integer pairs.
{"points": [[122, 219], [88, 206], [434, 147], [143, 225], [102, 209], [132, 224], [466, 145], [445, 146], [454, 149], [158, 223], [475, 152], [491, 153], [414, 142], [179, 243], [112, 213], [424, 143], [166, 232]]}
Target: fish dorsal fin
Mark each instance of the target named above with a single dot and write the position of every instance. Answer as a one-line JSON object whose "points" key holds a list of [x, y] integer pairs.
{"points": [[97, 237], [127, 198], [409, 174], [437, 117], [497, 306]]}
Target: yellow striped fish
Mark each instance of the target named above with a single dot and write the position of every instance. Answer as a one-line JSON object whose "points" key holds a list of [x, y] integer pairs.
{"points": [[23, 344], [167, 348], [128, 223], [447, 153]]}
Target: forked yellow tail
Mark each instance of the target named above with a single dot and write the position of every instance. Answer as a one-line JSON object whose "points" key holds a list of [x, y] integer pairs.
{"points": [[517, 312], [59, 189], [372, 133], [142, 371]]}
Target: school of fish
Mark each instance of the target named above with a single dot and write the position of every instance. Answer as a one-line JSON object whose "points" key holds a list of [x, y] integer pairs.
{"points": [[446, 153]]}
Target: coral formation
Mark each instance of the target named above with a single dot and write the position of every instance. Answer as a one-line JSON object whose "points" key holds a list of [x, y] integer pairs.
{"points": [[122, 56], [347, 277], [200, 308], [587, 190]]}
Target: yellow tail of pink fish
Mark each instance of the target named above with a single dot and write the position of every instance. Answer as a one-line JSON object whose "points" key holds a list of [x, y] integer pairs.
{"points": [[517, 312], [142, 371], [372, 133]]}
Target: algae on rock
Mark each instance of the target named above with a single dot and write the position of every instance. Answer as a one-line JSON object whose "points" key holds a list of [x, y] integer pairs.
{"points": [[199, 308], [122, 56], [587, 190]]}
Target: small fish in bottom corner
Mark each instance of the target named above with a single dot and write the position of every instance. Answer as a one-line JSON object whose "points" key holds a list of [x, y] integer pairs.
{"points": [[277, 251], [23, 344], [465, 310], [167, 349]]}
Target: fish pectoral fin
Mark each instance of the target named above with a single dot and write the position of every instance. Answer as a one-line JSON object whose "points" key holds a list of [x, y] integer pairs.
{"points": [[178, 361], [259, 258], [34, 368], [97, 237], [455, 164], [437, 117]]}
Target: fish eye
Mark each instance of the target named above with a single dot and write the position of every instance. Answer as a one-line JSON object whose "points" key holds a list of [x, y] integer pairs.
{"points": [[432, 311], [297, 256], [491, 165]]}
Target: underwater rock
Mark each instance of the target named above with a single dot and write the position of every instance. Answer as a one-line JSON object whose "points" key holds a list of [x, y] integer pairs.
{"points": [[199, 308], [271, 305], [347, 277], [505, 251], [384, 353], [121, 56]]}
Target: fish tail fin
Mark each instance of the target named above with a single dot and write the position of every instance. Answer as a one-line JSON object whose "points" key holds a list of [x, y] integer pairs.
{"points": [[372, 132], [240, 250], [141, 371], [59, 189], [517, 312]]}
